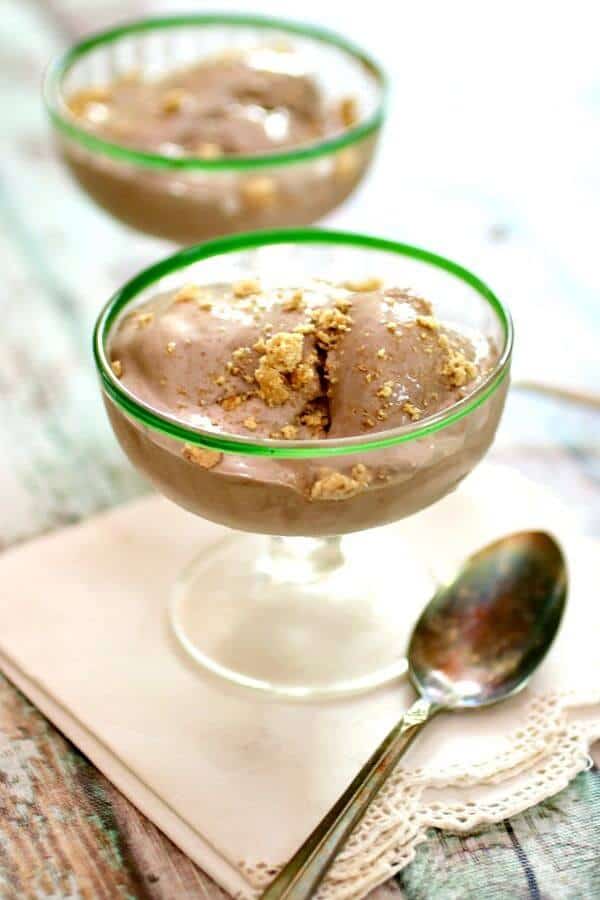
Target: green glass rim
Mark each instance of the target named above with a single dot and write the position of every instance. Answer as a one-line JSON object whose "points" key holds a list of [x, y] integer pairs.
{"points": [[58, 68], [228, 443]]}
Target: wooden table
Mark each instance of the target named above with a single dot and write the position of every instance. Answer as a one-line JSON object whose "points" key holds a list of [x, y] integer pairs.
{"points": [[65, 832]]}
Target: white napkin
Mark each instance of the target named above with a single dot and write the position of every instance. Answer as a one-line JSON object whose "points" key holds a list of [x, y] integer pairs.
{"points": [[238, 781]]}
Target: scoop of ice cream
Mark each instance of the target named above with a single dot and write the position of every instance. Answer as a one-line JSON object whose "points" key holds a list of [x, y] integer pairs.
{"points": [[224, 357], [224, 106], [290, 363], [395, 365]]}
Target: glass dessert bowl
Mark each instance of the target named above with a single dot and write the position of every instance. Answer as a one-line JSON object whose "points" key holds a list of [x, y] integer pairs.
{"points": [[288, 385], [190, 127]]}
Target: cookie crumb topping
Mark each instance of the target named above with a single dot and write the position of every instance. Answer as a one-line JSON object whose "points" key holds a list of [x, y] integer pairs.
{"points": [[335, 486], [429, 322], [232, 402], [386, 390], [363, 285], [201, 456], [246, 287], [283, 351], [187, 294], [411, 410], [143, 319]]}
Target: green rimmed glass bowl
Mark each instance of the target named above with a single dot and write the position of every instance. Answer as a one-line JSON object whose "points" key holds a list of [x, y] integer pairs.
{"points": [[187, 199], [309, 601]]}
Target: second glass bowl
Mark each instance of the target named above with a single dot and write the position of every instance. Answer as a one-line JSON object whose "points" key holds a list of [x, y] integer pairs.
{"points": [[187, 199]]}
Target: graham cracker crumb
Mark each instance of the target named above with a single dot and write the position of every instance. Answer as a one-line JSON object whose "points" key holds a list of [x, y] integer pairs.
{"points": [[201, 456], [220, 380], [346, 163], [173, 101], [241, 352], [429, 322], [117, 367], [330, 323], [144, 318], [303, 375], [361, 474], [386, 390], [458, 369], [250, 423], [335, 486], [349, 111], [331, 319], [363, 285], [295, 302], [392, 327], [273, 387], [411, 410], [170, 348], [343, 304], [79, 102], [259, 191], [231, 403], [187, 294], [382, 354], [246, 287], [289, 432], [314, 418], [208, 150], [284, 350]]}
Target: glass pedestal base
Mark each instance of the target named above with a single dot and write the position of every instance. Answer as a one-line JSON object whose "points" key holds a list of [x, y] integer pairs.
{"points": [[302, 617]]}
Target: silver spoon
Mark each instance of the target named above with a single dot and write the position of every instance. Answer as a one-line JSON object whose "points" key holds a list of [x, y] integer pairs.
{"points": [[478, 641]]}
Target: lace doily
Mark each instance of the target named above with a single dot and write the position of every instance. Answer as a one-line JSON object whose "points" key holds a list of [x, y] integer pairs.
{"points": [[511, 757]]}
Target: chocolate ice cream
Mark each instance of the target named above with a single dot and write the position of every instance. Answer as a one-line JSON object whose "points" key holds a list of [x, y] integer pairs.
{"points": [[312, 362], [237, 104], [252, 104]]}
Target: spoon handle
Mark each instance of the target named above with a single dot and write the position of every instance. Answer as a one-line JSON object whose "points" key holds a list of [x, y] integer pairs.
{"points": [[299, 879]]}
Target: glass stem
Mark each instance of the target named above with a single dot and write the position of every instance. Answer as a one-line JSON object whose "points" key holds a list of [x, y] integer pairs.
{"points": [[301, 560]]}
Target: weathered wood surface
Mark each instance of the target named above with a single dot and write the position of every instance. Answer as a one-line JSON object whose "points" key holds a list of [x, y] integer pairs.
{"points": [[65, 832]]}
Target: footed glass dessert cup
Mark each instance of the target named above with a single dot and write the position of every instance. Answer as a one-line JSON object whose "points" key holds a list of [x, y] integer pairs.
{"points": [[306, 594], [191, 196]]}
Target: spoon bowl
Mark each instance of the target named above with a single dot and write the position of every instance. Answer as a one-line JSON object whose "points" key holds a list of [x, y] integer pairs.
{"points": [[484, 633]]}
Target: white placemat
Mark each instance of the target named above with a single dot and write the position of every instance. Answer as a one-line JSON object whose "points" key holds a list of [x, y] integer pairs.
{"points": [[238, 781]]}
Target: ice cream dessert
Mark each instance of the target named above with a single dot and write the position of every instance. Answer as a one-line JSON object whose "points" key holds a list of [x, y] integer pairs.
{"points": [[184, 154], [234, 104], [316, 362]]}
